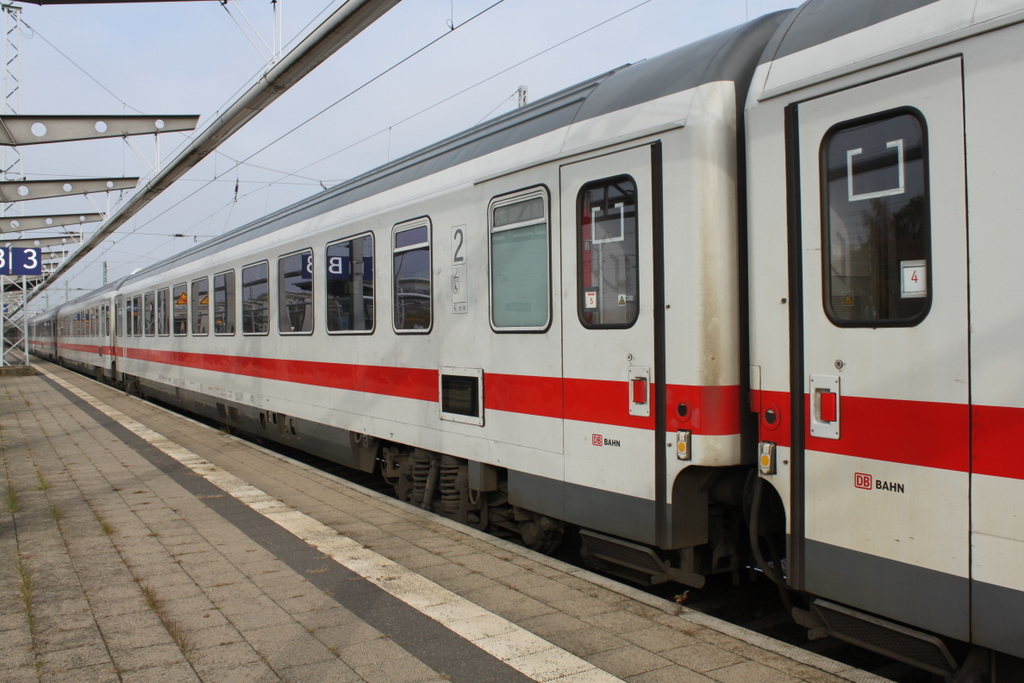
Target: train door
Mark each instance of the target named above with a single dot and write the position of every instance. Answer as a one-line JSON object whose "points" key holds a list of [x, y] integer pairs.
{"points": [[885, 379], [609, 216]]}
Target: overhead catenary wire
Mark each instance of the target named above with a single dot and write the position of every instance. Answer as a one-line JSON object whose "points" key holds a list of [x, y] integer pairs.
{"points": [[296, 174], [295, 128], [414, 115]]}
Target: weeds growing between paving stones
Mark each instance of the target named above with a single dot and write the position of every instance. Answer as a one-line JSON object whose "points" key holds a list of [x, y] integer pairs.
{"points": [[174, 628], [104, 524], [56, 512], [25, 582], [43, 484], [11, 498]]}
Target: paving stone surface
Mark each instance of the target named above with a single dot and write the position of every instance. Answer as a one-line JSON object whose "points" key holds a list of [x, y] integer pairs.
{"points": [[111, 570]]}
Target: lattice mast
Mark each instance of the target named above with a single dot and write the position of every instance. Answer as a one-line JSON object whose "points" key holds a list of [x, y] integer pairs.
{"points": [[13, 335]]}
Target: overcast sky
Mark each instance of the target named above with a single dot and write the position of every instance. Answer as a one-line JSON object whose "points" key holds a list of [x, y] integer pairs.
{"points": [[191, 58]]}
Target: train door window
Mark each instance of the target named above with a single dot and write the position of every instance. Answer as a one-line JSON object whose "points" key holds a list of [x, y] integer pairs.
{"points": [[349, 275], [180, 313], [149, 306], [875, 221], [163, 312], [256, 298], [224, 303], [412, 284], [201, 306], [609, 276], [119, 316], [295, 293], [519, 257], [137, 315], [105, 320]]}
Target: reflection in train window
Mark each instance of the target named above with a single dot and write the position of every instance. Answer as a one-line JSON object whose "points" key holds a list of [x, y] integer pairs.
{"points": [[137, 315], [256, 298], [875, 220], [201, 306], [350, 285], [609, 277], [119, 316], [224, 303], [163, 314], [520, 282], [295, 293], [180, 296], [411, 286], [149, 306]]}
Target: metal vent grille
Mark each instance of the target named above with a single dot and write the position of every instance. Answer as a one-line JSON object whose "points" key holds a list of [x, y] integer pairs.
{"points": [[901, 643]]}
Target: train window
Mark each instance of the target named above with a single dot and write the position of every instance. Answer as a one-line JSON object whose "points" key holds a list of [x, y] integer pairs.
{"points": [[411, 286], [295, 293], [137, 315], [119, 316], [163, 314], [519, 255], [256, 298], [349, 275], [609, 277], [201, 306], [875, 221], [224, 303], [149, 306], [180, 313]]}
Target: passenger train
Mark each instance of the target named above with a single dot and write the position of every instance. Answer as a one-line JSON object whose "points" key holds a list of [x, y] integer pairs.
{"points": [[748, 302]]}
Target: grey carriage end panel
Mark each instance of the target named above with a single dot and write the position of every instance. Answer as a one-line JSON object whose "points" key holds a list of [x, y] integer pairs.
{"points": [[998, 618], [921, 597]]}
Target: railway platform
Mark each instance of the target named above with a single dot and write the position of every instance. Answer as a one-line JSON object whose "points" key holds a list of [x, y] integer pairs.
{"points": [[138, 545]]}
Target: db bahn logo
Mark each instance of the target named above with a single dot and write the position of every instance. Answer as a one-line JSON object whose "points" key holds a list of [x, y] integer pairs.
{"points": [[598, 440], [868, 482]]}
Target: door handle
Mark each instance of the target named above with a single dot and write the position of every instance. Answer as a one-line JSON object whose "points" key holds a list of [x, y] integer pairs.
{"points": [[639, 391], [825, 406]]}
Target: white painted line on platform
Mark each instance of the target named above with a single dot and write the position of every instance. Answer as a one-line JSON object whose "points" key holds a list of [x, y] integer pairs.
{"points": [[525, 652]]}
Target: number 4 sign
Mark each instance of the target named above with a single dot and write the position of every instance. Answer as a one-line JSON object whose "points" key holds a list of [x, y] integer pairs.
{"points": [[914, 280]]}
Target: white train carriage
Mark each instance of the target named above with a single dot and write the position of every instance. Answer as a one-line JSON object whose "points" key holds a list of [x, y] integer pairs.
{"points": [[881, 142], [533, 323], [83, 336], [42, 337], [549, 320]]}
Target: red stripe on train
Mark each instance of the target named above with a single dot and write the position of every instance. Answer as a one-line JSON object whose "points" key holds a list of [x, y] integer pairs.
{"points": [[949, 436], [711, 410]]}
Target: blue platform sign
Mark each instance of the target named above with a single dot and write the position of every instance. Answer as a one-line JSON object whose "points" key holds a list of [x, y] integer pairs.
{"points": [[21, 261]]}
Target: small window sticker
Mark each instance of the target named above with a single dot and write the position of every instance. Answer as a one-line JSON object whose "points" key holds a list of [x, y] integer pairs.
{"points": [[590, 298], [914, 279]]}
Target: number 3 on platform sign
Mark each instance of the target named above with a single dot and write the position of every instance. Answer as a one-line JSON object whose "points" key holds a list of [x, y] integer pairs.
{"points": [[18, 261]]}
